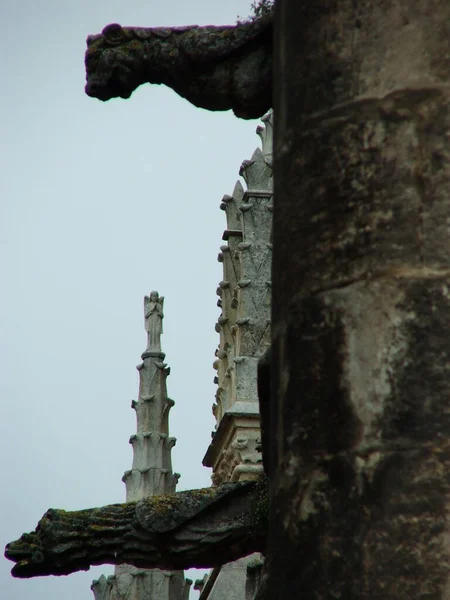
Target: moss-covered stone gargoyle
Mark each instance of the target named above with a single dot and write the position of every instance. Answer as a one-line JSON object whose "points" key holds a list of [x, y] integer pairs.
{"points": [[217, 68], [195, 528]]}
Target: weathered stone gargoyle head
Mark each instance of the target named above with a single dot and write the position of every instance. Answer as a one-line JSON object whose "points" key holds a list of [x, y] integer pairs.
{"points": [[217, 68], [114, 62]]}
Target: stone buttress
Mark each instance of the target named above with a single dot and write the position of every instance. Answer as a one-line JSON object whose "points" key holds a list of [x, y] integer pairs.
{"points": [[244, 328], [151, 472]]}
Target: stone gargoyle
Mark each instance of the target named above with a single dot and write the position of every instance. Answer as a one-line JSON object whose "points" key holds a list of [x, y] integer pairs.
{"points": [[196, 528], [216, 68]]}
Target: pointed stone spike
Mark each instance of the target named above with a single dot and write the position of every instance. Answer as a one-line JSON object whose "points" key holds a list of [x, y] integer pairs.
{"points": [[266, 134], [238, 192], [256, 173]]}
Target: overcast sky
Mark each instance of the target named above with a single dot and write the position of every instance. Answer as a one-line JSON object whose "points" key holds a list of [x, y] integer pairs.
{"points": [[100, 204]]}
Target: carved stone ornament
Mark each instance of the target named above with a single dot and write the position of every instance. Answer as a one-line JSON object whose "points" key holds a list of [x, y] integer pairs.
{"points": [[153, 311]]}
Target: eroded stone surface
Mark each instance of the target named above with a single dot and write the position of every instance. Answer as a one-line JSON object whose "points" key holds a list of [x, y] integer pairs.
{"points": [[359, 414]]}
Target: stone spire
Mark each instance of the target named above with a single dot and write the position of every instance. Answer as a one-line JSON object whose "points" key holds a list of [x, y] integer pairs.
{"points": [[151, 471], [244, 329], [244, 324]]}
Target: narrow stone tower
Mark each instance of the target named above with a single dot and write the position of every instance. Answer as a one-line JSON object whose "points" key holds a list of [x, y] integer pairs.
{"points": [[151, 471], [245, 296]]}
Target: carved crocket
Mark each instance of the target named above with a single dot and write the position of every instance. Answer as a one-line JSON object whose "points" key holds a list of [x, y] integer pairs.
{"points": [[217, 68]]}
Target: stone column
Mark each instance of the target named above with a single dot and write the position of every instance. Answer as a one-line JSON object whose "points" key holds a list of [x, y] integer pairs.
{"points": [[360, 425]]}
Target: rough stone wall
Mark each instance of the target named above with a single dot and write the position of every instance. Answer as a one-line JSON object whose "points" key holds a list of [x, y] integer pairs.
{"points": [[359, 428]]}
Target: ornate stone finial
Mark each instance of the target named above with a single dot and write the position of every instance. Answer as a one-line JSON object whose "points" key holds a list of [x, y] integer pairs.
{"points": [[266, 135], [153, 312]]}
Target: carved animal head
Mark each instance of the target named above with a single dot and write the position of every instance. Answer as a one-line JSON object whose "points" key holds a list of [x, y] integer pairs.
{"points": [[217, 68], [114, 62]]}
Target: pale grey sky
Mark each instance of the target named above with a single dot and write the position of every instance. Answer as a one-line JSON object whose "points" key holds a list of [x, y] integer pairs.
{"points": [[101, 203]]}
